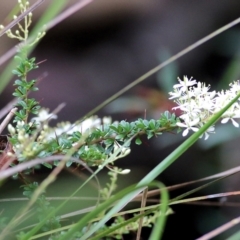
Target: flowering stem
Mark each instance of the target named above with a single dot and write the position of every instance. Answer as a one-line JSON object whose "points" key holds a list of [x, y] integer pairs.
{"points": [[21, 16]]}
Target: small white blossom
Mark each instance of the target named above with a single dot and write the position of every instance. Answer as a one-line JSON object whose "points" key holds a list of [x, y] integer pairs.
{"points": [[225, 120], [11, 129], [189, 125], [84, 127], [209, 130], [183, 85], [175, 94], [44, 115], [107, 120], [90, 123], [125, 171]]}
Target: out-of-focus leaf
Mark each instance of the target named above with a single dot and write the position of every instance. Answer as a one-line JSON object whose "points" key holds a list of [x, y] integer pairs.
{"points": [[167, 77]]}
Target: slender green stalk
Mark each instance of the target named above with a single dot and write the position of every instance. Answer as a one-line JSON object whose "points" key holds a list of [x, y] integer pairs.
{"points": [[161, 221]]}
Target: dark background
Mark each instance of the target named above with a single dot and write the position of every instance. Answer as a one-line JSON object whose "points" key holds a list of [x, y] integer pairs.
{"points": [[110, 43]]}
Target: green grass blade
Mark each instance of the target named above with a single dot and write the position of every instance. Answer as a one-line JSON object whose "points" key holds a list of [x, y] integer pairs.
{"points": [[236, 235], [159, 226], [102, 207], [160, 223]]}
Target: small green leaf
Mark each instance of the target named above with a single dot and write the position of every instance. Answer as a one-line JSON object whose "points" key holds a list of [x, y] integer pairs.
{"points": [[47, 165], [22, 104], [19, 82], [152, 124], [114, 128], [138, 141], [16, 72], [109, 149], [17, 94], [68, 163], [34, 89], [18, 58], [150, 134]]}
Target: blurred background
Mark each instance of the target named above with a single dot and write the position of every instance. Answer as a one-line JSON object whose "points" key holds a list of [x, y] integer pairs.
{"points": [[108, 44]]}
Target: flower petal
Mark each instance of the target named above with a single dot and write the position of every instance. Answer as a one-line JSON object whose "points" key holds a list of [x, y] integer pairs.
{"points": [[235, 124], [224, 120], [185, 132]]}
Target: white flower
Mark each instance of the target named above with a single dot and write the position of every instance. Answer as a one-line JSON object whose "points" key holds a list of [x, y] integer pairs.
{"points": [[90, 123], [183, 85], [107, 120], [189, 125], [206, 133], [11, 129], [235, 87], [175, 94], [225, 120], [84, 127], [44, 115]]}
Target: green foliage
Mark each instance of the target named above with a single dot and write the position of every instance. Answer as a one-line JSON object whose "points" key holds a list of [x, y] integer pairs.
{"points": [[32, 137], [98, 144], [3, 222]]}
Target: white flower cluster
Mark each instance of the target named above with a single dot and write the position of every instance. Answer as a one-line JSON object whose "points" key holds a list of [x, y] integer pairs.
{"points": [[85, 127], [28, 146], [197, 104]]}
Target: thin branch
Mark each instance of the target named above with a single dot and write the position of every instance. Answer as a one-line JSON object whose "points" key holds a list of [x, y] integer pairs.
{"points": [[212, 196], [51, 199], [7, 119], [8, 55], [7, 108], [220, 229], [226, 173], [21, 16], [20, 167], [58, 108], [67, 13], [143, 205]]}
